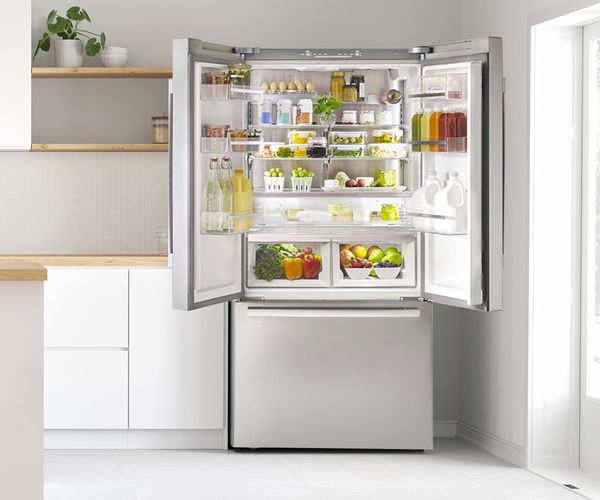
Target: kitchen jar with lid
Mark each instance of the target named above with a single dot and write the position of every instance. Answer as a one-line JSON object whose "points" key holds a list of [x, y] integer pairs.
{"points": [[389, 213], [317, 147], [305, 112], [349, 117], [350, 93], [359, 82], [239, 74], [160, 129], [366, 117], [284, 112], [384, 117], [337, 85]]}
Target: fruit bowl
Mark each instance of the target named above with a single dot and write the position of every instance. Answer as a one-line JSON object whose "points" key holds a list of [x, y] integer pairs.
{"points": [[358, 273], [387, 273]]}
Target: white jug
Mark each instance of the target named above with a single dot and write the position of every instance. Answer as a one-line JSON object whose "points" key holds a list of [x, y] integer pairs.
{"points": [[423, 201], [450, 203]]}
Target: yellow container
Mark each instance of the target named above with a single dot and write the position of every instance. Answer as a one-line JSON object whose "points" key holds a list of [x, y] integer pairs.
{"points": [[242, 200]]}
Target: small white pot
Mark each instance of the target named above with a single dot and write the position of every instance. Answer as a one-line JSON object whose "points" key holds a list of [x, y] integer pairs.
{"points": [[68, 53]]}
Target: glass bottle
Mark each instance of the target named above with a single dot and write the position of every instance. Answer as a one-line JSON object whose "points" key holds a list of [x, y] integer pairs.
{"points": [[434, 128], [212, 210], [227, 188], [425, 119], [416, 130], [338, 81]]}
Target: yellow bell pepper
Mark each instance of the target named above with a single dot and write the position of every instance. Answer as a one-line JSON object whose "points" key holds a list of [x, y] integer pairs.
{"points": [[292, 267]]}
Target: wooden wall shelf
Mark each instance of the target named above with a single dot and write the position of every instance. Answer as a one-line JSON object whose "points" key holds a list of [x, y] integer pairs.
{"points": [[100, 72], [107, 148]]}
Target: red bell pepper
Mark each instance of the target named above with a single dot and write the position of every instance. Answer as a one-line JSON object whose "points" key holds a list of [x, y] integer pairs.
{"points": [[311, 265]]}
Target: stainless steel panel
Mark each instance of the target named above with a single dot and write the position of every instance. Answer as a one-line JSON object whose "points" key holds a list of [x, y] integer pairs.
{"points": [[331, 377]]}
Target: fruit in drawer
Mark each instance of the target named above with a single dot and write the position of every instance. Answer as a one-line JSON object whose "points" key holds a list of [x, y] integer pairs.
{"points": [[395, 258], [345, 246], [358, 264], [376, 255], [390, 250], [359, 251], [371, 249], [345, 257]]}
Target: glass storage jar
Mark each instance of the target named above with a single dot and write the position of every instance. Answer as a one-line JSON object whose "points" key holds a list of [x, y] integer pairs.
{"points": [[160, 130], [349, 117], [317, 147], [338, 81]]}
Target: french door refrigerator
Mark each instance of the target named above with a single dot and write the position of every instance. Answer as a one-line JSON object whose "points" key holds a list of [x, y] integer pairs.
{"points": [[336, 353]]}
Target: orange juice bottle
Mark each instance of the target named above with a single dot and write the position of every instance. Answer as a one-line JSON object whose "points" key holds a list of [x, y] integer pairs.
{"points": [[425, 124], [242, 200], [434, 128]]}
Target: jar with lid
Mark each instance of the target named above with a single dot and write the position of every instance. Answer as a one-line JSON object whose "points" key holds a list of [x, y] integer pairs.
{"points": [[239, 74], [349, 117], [317, 147], [384, 117], [389, 213], [305, 112], [338, 81], [160, 130], [366, 117], [265, 112], [359, 82], [350, 93], [284, 112]]}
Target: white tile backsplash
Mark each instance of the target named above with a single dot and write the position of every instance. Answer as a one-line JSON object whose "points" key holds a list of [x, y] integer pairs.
{"points": [[82, 202]]}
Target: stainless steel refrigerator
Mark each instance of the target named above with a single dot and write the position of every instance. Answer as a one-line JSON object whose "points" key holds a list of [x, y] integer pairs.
{"points": [[338, 358]]}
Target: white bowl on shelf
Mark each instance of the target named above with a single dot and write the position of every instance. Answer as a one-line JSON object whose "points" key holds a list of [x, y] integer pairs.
{"points": [[358, 273], [112, 57], [387, 273]]}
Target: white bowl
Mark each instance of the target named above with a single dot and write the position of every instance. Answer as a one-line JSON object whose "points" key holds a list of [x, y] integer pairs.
{"points": [[114, 50], [358, 273], [113, 60], [387, 273]]}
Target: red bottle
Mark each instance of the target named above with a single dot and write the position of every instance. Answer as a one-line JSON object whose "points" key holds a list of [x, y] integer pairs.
{"points": [[461, 131], [447, 130]]}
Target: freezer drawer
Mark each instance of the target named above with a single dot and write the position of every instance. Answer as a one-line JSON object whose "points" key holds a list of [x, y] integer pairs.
{"points": [[330, 377]]}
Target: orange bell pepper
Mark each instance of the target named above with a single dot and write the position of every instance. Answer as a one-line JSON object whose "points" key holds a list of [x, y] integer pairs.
{"points": [[292, 267]]}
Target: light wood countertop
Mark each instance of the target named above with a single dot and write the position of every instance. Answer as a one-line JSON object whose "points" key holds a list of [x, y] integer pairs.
{"points": [[87, 260], [22, 271]]}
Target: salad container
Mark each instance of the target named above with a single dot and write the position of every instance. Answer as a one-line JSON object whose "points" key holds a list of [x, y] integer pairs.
{"points": [[388, 136], [347, 150], [300, 136], [388, 150], [343, 138]]}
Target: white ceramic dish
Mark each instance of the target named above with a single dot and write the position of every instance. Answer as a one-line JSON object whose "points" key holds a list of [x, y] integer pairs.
{"points": [[387, 273], [113, 60], [358, 273]]}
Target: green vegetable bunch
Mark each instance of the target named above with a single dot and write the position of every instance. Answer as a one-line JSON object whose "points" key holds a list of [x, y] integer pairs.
{"points": [[67, 28], [326, 105], [269, 265]]}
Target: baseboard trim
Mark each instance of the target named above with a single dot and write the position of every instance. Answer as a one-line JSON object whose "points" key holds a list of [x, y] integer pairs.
{"points": [[444, 428], [492, 444], [133, 439]]}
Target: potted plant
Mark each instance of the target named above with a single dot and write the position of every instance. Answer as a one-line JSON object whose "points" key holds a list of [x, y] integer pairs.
{"points": [[68, 45], [326, 105]]}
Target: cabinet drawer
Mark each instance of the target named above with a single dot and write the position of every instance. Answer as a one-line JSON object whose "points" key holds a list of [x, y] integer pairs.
{"points": [[85, 389], [86, 308]]}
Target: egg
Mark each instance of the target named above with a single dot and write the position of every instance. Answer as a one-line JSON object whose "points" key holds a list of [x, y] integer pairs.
{"points": [[310, 86], [282, 85], [264, 86], [273, 86], [300, 85], [291, 86]]}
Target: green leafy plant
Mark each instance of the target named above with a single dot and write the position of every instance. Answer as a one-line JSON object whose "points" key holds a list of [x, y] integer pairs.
{"points": [[67, 28], [326, 105]]}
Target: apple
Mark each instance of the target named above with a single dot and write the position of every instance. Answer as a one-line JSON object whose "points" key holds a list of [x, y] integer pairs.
{"points": [[350, 183], [359, 251], [371, 249], [360, 183], [345, 246], [346, 256]]}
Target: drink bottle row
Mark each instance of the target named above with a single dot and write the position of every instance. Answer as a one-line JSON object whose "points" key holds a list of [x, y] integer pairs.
{"points": [[439, 130]]}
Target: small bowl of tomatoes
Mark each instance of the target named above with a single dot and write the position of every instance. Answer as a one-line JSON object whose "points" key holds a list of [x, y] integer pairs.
{"points": [[358, 269]]}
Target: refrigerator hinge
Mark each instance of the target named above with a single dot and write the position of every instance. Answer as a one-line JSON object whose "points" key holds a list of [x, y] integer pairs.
{"points": [[423, 299], [246, 51], [253, 299], [421, 50]]}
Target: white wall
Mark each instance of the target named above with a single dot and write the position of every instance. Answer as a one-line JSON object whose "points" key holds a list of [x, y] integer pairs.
{"points": [[494, 347]]}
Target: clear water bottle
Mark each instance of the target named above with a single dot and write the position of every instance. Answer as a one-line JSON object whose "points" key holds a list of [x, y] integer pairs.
{"points": [[212, 213], [227, 188]]}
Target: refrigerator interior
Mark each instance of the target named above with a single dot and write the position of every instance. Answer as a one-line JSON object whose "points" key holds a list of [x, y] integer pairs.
{"points": [[448, 245]]}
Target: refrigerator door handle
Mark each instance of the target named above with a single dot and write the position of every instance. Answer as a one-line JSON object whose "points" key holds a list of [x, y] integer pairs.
{"points": [[258, 312]]}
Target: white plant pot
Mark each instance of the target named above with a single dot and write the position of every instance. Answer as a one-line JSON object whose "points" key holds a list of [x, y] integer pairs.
{"points": [[68, 53]]}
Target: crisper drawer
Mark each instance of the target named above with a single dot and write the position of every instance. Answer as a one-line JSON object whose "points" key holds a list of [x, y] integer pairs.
{"points": [[265, 267], [375, 263]]}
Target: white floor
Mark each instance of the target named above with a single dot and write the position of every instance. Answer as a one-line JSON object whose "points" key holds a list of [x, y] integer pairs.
{"points": [[455, 470]]}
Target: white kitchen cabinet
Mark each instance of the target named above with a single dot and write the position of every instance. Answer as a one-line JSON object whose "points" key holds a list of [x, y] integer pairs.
{"points": [[86, 307], [85, 389], [177, 359], [15, 98]]}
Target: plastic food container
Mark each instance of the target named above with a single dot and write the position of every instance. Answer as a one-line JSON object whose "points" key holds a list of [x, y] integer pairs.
{"points": [[348, 137], [389, 213], [215, 130], [274, 184], [383, 117], [340, 211], [300, 136], [388, 150], [299, 150], [349, 117], [347, 150], [330, 184], [238, 135], [301, 184], [215, 78], [239, 74], [366, 117], [387, 136], [317, 147], [361, 215]]}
